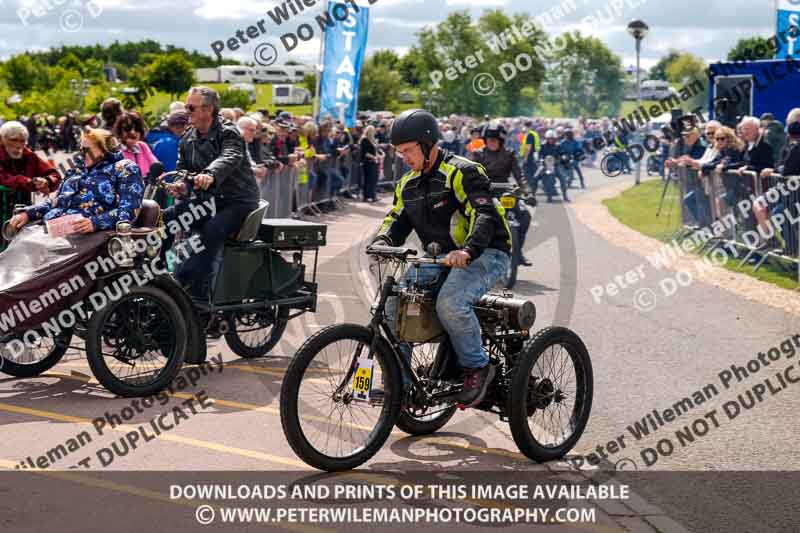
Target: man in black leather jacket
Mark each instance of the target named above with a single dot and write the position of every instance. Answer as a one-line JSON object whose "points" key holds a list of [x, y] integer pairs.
{"points": [[214, 148], [500, 163], [447, 199]]}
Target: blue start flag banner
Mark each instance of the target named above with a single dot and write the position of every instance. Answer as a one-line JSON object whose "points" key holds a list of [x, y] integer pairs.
{"points": [[788, 29], [345, 45]]}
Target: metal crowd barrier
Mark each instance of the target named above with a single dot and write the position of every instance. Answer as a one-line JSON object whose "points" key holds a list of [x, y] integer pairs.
{"points": [[760, 216], [328, 182]]}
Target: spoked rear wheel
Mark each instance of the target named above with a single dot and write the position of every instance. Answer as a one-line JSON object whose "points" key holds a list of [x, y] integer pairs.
{"points": [[416, 419], [551, 394], [27, 358], [136, 344], [256, 333], [325, 424]]}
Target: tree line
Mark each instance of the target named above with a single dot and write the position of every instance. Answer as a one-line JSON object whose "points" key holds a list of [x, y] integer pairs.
{"points": [[576, 74]]}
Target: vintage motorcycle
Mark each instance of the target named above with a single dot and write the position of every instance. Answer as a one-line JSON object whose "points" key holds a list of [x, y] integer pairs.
{"points": [[137, 323], [349, 385], [548, 173], [509, 196]]}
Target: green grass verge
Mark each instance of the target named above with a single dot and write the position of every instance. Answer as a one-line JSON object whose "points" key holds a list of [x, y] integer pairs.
{"points": [[636, 208]]}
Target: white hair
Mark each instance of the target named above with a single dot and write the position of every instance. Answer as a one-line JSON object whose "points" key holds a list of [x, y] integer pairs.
{"points": [[13, 130], [210, 97], [793, 116], [753, 121], [243, 121]]}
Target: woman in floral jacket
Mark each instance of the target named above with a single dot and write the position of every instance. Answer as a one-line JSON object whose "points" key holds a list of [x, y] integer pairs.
{"points": [[107, 190]]}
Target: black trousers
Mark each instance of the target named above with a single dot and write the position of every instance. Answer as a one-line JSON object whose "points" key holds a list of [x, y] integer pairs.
{"points": [[201, 268], [370, 180]]}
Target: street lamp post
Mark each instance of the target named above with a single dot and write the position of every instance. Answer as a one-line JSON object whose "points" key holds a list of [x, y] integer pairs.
{"points": [[638, 30], [80, 89]]}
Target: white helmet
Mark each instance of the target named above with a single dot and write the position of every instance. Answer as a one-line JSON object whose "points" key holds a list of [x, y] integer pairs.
{"points": [[550, 134]]}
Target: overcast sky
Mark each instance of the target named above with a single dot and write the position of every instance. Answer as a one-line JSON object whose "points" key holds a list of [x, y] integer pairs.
{"points": [[708, 28]]}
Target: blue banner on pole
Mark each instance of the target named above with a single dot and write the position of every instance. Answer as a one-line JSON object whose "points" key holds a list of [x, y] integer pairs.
{"points": [[345, 45], [788, 29]]}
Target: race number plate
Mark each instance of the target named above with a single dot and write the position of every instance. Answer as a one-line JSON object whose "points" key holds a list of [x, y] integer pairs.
{"points": [[362, 381], [508, 202]]}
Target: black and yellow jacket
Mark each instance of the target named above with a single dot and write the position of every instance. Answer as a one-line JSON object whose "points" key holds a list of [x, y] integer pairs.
{"points": [[451, 204]]}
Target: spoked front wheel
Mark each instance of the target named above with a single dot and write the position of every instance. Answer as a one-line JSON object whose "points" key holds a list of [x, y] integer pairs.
{"points": [[325, 422], [551, 394], [136, 344]]}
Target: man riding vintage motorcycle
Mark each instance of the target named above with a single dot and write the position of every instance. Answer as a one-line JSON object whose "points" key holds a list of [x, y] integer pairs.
{"points": [[447, 199], [500, 163], [214, 148], [552, 148]]}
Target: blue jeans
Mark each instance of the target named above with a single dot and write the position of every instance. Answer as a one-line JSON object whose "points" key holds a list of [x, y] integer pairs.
{"points": [[575, 166], [454, 300]]}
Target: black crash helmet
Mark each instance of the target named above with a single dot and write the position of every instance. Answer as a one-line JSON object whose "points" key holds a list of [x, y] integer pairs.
{"points": [[415, 125], [493, 130]]}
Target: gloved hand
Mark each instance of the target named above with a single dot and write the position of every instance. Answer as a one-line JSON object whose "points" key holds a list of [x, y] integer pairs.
{"points": [[530, 200], [380, 240]]}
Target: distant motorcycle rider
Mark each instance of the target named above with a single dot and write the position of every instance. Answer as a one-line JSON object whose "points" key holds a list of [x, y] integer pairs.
{"points": [[575, 150], [500, 163], [447, 199], [551, 147]]}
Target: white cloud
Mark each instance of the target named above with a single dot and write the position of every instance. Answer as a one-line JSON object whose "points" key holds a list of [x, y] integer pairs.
{"points": [[233, 9]]}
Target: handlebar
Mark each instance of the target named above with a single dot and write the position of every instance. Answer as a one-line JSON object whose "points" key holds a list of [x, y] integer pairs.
{"points": [[182, 176], [399, 254], [390, 251], [504, 187]]}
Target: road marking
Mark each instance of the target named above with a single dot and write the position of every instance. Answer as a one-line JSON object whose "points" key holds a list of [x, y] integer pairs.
{"points": [[197, 443], [264, 409]]}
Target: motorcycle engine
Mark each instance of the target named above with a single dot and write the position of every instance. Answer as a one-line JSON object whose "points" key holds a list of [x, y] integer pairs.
{"points": [[512, 313]]}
